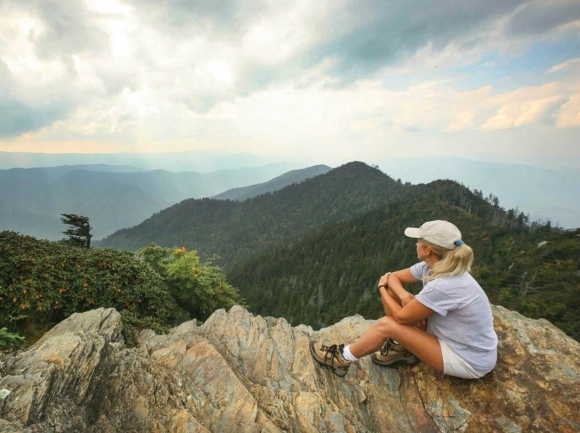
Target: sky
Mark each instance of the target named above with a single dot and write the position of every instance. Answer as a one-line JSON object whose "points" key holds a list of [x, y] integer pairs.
{"points": [[328, 81]]}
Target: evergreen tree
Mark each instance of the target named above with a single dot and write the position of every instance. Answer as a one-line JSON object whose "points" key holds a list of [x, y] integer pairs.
{"points": [[80, 232]]}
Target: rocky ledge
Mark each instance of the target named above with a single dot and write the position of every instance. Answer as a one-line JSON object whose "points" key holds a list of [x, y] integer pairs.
{"points": [[241, 373]]}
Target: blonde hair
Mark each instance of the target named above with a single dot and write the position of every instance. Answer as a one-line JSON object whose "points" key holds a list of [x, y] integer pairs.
{"points": [[451, 262]]}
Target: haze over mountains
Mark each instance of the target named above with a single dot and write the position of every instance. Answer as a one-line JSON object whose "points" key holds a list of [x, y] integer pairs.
{"points": [[201, 162], [545, 193], [114, 197]]}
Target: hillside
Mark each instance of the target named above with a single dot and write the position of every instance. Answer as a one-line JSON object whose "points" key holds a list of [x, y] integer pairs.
{"points": [[294, 176], [332, 272], [31, 200], [312, 252], [236, 230], [543, 281]]}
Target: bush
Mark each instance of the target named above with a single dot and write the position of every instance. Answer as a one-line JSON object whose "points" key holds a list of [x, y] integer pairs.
{"points": [[199, 288], [10, 339], [42, 283]]}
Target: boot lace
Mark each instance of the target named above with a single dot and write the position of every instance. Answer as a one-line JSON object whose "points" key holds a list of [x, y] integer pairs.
{"points": [[389, 344], [331, 351]]}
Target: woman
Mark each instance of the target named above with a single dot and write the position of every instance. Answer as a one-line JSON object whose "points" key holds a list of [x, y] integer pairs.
{"points": [[448, 325]]}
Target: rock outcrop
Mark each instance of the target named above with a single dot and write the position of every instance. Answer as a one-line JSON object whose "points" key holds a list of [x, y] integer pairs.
{"points": [[241, 373]]}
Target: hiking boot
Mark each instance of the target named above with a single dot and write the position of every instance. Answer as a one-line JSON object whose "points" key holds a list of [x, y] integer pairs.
{"points": [[330, 356], [392, 353]]}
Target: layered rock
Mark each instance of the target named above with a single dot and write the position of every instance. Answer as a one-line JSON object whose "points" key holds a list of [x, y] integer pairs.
{"points": [[241, 373]]}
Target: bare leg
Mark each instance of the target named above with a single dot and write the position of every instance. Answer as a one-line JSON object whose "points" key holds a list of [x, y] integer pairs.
{"points": [[421, 344], [395, 297]]}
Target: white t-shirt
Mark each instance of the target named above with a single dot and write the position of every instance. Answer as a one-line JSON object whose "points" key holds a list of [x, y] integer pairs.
{"points": [[462, 317]]}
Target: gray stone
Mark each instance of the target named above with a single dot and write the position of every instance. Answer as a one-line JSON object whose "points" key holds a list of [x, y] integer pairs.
{"points": [[240, 372]]}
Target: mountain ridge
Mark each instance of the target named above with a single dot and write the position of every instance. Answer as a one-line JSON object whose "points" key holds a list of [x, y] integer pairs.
{"points": [[294, 176], [352, 188]]}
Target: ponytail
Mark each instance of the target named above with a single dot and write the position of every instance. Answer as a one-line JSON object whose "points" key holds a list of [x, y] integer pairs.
{"points": [[451, 262]]}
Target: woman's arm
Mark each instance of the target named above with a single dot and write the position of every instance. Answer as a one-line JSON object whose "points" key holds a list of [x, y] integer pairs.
{"points": [[393, 282], [414, 313], [395, 299]]}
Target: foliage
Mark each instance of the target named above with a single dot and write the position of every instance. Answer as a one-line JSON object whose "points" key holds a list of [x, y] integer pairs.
{"points": [[332, 272], [80, 232], [10, 338], [544, 281], [198, 288], [43, 282]]}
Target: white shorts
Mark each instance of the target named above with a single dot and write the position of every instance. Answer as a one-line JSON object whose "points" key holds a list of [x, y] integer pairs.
{"points": [[454, 365]]}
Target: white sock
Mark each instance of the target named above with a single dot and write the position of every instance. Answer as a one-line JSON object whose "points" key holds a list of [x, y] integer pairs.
{"points": [[347, 355]]}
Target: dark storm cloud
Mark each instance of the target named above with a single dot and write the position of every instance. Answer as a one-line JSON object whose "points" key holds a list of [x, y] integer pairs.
{"points": [[18, 117], [226, 17], [542, 16], [69, 29], [388, 31]]}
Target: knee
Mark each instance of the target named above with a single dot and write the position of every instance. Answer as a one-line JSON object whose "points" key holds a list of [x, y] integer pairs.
{"points": [[386, 325]]}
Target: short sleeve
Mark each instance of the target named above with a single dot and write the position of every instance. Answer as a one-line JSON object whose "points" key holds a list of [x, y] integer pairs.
{"points": [[435, 299], [420, 270]]}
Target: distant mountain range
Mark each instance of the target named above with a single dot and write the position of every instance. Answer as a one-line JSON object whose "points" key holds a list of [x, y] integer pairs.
{"points": [[197, 161], [114, 197], [546, 194], [294, 176]]}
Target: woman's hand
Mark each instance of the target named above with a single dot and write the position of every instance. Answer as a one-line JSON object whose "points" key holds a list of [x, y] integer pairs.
{"points": [[383, 282]]}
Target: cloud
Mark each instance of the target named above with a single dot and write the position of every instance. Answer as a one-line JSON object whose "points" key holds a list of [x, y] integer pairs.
{"points": [[139, 70], [28, 109], [18, 118], [58, 28], [568, 65], [569, 113], [540, 16]]}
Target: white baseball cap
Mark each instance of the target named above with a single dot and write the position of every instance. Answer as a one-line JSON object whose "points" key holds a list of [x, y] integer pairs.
{"points": [[438, 232]]}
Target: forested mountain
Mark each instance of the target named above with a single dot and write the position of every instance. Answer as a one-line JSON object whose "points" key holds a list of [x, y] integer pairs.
{"points": [[543, 281], [294, 176], [313, 252], [236, 230], [544, 193], [113, 197], [333, 272]]}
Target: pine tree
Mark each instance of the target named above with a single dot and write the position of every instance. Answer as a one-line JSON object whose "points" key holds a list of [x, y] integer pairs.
{"points": [[80, 233]]}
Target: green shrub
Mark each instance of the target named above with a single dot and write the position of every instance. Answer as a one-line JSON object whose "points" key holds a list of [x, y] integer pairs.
{"points": [[43, 282], [10, 339], [198, 288]]}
